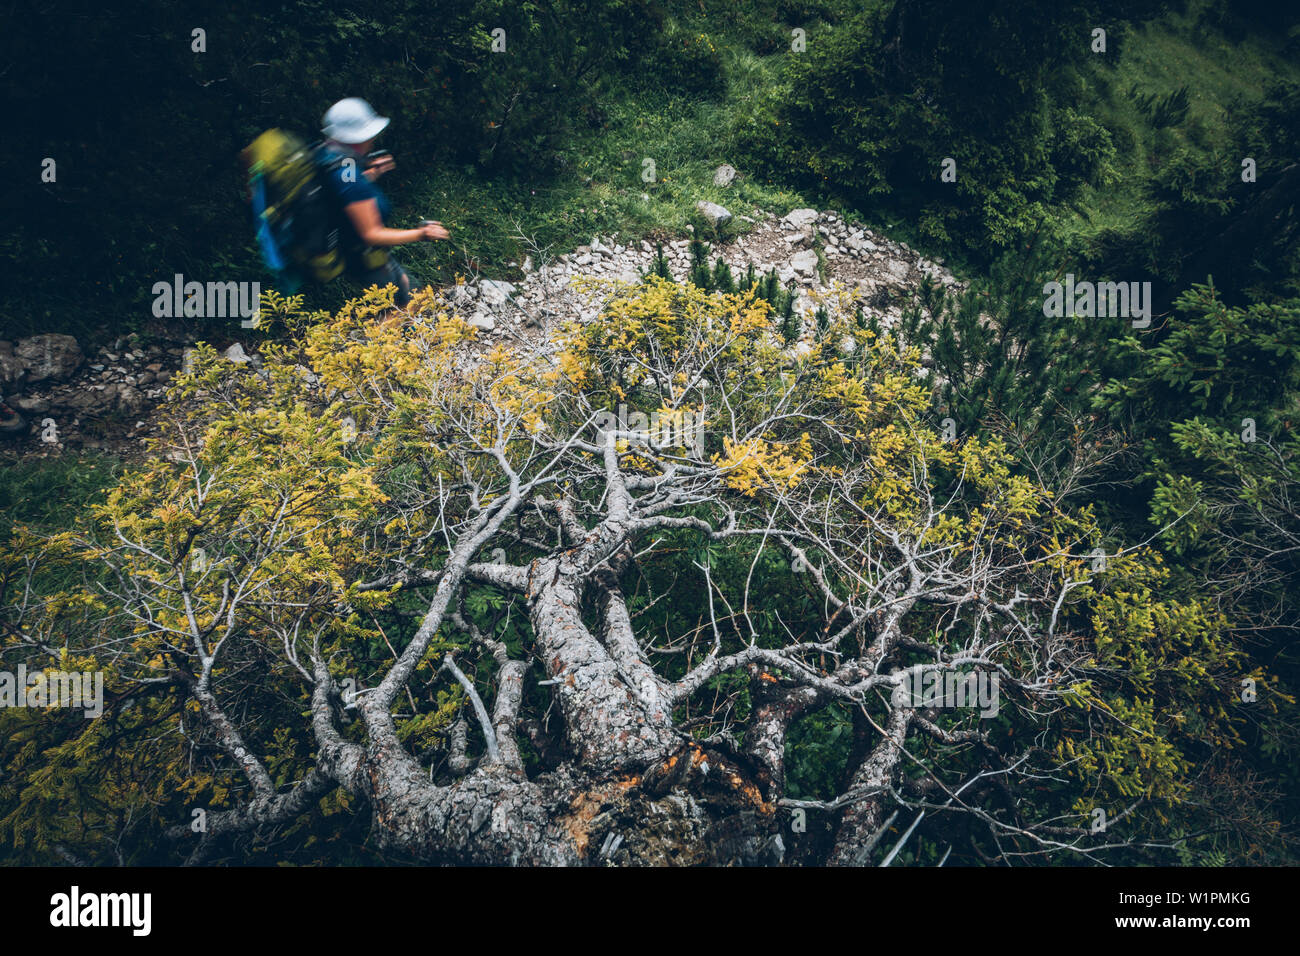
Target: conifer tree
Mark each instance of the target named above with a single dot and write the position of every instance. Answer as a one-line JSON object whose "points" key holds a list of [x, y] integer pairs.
{"points": [[699, 272], [722, 278]]}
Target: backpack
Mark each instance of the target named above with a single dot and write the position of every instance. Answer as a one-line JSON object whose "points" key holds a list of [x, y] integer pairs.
{"points": [[297, 222]]}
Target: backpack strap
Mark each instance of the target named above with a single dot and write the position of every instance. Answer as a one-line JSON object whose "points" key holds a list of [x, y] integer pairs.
{"points": [[323, 162], [269, 250], [271, 253]]}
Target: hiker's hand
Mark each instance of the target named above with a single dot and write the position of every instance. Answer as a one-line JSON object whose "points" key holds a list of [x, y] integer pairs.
{"points": [[380, 166], [435, 230]]}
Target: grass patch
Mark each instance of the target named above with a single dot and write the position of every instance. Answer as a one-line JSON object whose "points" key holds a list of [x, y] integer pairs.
{"points": [[50, 494], [1158, 58]]}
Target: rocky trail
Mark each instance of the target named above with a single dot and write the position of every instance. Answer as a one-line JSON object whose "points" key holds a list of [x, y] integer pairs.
{"points": [[108, 399]]}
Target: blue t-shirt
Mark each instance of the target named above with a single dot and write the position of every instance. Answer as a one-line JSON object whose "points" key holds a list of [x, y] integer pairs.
{"points": [[350, 185]]}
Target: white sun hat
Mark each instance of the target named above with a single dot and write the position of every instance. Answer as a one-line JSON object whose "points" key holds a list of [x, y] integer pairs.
{"points": [[353, 121]]}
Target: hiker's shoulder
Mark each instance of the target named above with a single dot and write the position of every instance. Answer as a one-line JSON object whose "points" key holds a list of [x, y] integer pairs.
{"points": [[334, 161], [343, 172]]}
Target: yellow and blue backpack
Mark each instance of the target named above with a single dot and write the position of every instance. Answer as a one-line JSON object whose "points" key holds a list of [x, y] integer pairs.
{"points": [[297, 224]]}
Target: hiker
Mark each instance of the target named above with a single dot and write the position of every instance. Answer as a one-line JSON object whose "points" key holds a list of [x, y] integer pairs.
{"points": [[350, 128]]}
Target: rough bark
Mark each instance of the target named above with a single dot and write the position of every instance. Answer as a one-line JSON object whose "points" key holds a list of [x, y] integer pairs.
{"points": [[863, 818], [607, 722]]}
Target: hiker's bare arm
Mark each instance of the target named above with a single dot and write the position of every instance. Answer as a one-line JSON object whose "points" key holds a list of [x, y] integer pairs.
{"points": [[377, 168], [365, 219]]}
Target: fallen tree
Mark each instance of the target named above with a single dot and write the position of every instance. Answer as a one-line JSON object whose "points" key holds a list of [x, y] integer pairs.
{"points": [[466, 594]]}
